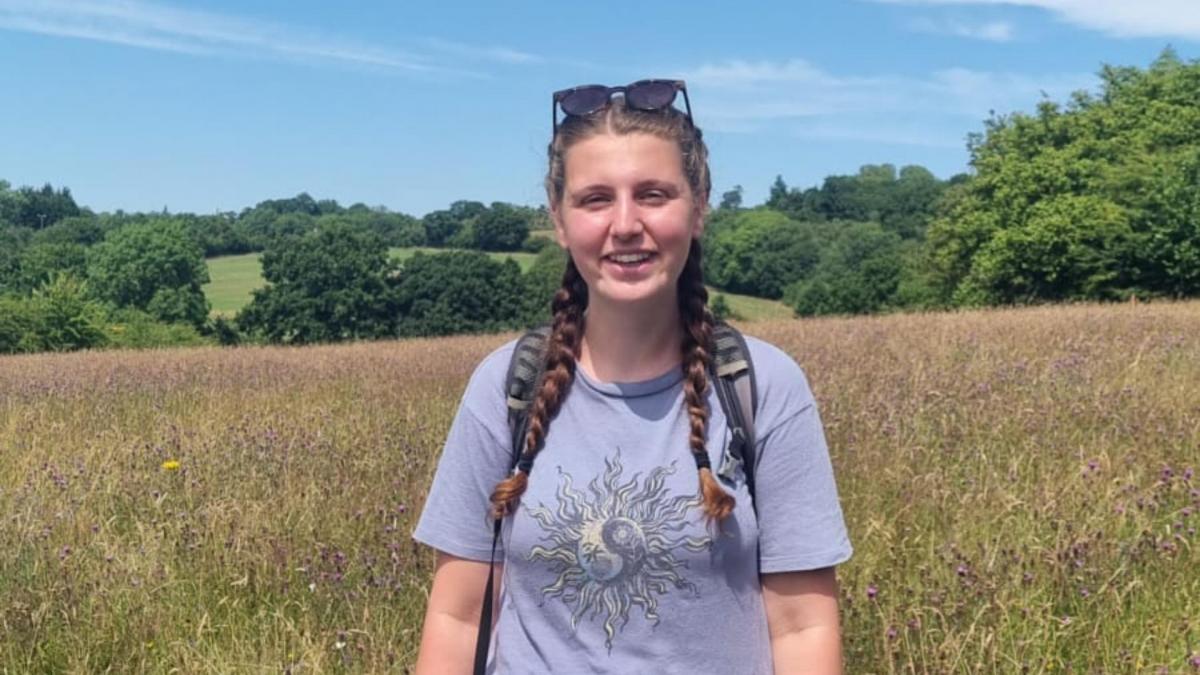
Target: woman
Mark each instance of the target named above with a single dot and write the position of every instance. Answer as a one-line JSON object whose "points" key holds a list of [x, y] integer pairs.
{"points": [[617, 557]]}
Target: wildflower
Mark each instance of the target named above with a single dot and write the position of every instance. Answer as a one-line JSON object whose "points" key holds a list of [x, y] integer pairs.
{"points": [[872, 591], [962, 570], [892, 632], [170, 465]]}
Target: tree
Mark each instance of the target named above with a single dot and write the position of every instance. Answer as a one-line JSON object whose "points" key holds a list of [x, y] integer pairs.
{"points": [[460, 292], [156, 266], [760, 253], [328, 285], [41, 208], [858, 273], [1092, 199], [732, 199], [500, 228]]}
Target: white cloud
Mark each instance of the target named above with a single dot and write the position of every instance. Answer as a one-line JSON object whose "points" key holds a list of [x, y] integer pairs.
{"points": [[1120, 18], [992, 31], [502, 54], [800, 99], [161, 27]]}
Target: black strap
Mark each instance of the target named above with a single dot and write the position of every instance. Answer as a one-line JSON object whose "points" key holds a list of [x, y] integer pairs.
{"points": [[485, 613]]}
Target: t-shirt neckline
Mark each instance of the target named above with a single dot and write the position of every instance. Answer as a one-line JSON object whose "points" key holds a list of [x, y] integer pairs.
{"points": [[631, 389]]}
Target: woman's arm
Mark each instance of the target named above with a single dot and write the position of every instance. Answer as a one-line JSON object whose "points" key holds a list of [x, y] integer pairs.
{"points": [[452, 619], [802, 616]]}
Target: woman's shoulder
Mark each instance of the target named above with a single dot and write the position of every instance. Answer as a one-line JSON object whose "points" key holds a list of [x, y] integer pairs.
{"points": [[484, 396], [783, 388]]}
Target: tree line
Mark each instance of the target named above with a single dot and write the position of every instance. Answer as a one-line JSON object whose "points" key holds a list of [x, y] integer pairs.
{"points": [[1096, 198]]}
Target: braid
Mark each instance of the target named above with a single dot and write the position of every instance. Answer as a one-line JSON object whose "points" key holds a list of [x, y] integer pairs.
{"points": [[697, 341], [561, 354]]}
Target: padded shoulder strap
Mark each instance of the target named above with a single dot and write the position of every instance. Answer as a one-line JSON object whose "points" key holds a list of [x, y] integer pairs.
{"points": [[737, 391], [524, 370], [732, 361]]}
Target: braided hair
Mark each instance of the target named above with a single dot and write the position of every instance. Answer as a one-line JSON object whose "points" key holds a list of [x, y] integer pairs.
{"points": [[570, 301]]}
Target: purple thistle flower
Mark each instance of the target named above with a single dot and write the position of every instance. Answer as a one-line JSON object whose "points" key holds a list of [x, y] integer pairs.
{"points": [[872, 591], [892, 632], [962, 570]]}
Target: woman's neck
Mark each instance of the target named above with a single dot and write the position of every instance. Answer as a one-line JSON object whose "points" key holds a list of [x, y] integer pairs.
{"points": [[630, 343]]}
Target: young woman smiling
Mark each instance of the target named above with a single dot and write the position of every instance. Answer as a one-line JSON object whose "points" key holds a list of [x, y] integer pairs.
{"points": [[615, 557]]}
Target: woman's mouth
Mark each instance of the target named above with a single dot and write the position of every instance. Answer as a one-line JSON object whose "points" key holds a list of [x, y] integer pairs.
{"points": [[631, 262]]}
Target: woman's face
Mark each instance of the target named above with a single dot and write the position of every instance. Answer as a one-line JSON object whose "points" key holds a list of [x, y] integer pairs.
{"points": [[627, 217]]}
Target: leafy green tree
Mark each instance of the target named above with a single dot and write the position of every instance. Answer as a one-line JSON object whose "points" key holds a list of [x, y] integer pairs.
{"points": [[1095, 198], [329, 285], [760, 253], [40, 262], [732, 200], [500, 228], [41, 208], [445, 227], [542, 280], [859, 272], [1070, 247], [156, 266], [460, 292], [57, 316], [84, 230]]}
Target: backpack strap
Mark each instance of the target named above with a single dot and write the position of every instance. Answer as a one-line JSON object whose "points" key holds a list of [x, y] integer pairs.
{"points": [[737, 390], [525, 369]]}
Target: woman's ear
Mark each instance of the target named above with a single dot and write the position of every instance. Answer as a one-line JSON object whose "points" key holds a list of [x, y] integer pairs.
{"points": [[700, 216], [560, 231]]}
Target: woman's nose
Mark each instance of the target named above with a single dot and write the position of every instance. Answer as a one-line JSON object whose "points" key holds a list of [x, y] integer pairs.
{"points": [[627, 220]]}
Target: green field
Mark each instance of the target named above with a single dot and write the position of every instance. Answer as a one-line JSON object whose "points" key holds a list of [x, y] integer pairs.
{"points": [[234, 277], [1019, 488]]}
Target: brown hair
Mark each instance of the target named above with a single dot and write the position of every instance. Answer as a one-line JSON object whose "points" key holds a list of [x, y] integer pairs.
{"points": [[571, 299]]}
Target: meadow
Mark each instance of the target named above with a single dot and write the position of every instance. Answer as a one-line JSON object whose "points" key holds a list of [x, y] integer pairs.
{"points": [[1019, 487], [233, 278]]}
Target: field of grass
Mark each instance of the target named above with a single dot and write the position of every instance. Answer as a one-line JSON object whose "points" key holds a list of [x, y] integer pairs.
{"points": [[1019, 487], [234, 277]]}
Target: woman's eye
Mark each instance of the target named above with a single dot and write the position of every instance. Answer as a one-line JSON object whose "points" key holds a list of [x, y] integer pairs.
{"points": [[654, 195], [595, 199]]}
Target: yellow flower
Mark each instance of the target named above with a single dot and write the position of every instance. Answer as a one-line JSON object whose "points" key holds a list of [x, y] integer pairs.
{"points": [[170, 465]]}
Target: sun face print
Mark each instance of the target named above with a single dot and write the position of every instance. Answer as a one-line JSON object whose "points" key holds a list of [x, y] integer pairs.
{"points": [[615, 545]]}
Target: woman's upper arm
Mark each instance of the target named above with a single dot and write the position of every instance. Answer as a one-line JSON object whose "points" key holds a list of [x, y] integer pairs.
{"points": [[802, 617], [795, 601], [458, 585], [452, 618]]}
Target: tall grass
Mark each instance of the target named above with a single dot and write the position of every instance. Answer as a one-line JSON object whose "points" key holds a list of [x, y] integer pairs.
{"points": [[1019, 487]]}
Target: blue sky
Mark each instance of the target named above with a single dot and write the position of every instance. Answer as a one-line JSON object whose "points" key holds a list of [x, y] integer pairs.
{"points": [[215, 106]]}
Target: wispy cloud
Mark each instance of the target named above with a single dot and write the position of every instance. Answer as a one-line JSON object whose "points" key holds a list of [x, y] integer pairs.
{"points": [[162, 27], [991, 31], [1120, 18], [800, 99], [502, 54]]}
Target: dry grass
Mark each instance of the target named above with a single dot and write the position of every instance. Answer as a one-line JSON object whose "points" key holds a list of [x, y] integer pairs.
{"points": [[1018, 485]]}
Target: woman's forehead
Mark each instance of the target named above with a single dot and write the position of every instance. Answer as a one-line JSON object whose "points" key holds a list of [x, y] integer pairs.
{"points": [[626, 156]]}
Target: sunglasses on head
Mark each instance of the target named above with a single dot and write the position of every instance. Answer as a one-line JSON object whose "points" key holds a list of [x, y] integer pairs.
{"points": [[649, 95]]}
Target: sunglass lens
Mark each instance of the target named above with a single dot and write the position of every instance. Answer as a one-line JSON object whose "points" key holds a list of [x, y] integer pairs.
{"points": [[651, 95], [585, 100]]}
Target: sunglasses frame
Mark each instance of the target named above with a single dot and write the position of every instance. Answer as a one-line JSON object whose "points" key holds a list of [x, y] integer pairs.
{"points": [[678, 85]]}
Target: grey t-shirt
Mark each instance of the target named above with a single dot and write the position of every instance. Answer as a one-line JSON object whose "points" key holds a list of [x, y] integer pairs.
{"points": [[609, 565]]}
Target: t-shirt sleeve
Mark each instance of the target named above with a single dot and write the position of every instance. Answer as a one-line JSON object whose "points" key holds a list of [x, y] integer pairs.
{"points": [[456, 518], [799, 516]]}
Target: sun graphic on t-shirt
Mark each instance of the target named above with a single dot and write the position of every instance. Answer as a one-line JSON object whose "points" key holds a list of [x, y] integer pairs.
{"points": [[615, 547]]}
